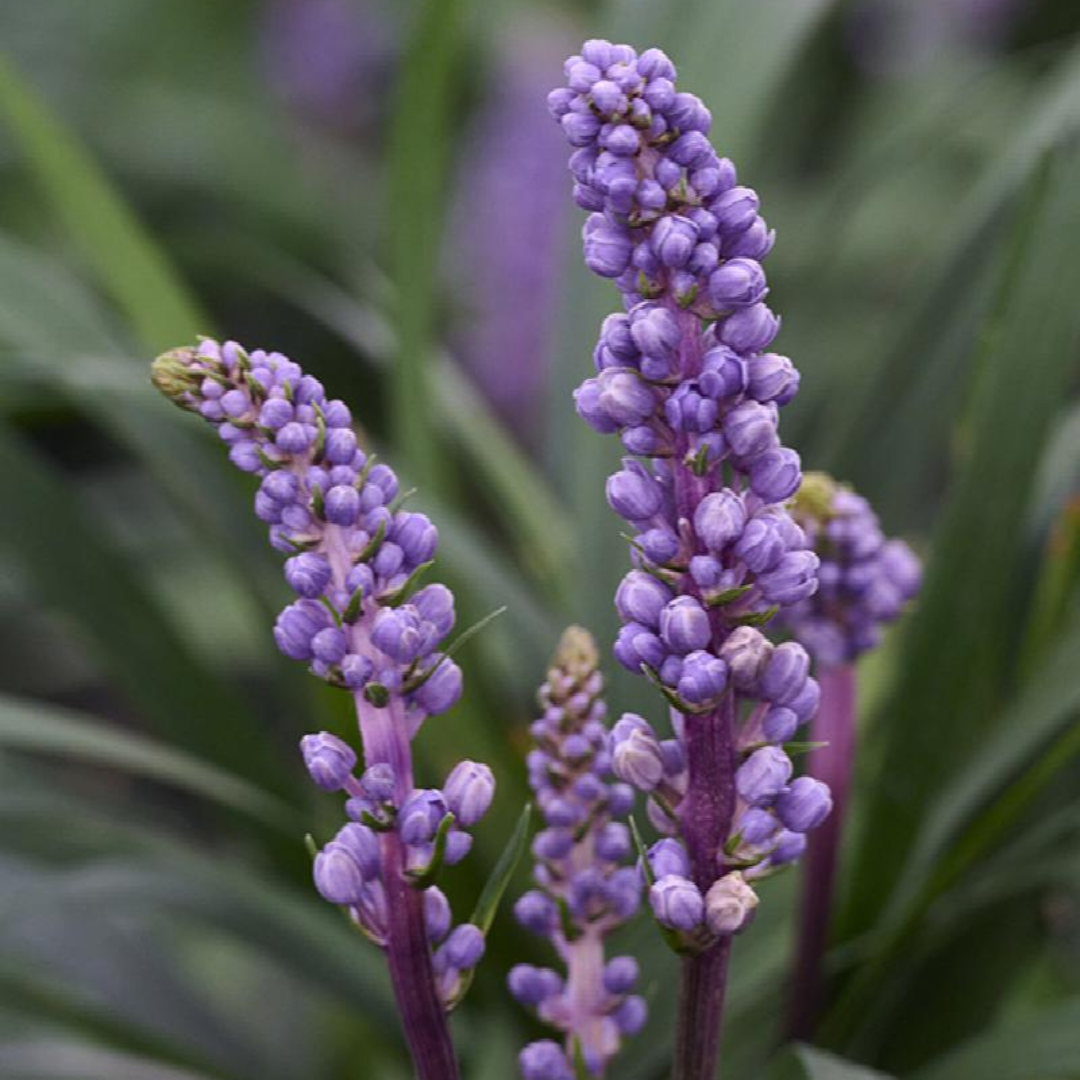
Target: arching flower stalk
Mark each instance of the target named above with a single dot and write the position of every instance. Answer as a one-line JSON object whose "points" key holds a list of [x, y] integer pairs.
{"points": [[865, 580], [360, 621], [686, 380]]}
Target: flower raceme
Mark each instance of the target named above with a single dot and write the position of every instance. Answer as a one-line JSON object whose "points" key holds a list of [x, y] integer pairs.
{"points": [[585, 888], [360, 622]]}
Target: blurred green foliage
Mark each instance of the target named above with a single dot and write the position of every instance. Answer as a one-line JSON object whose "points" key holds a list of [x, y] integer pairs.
{"points": [[172, 168]]}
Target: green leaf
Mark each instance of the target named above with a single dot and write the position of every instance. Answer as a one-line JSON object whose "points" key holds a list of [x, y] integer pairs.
{"points": [[952, 680], [422, 130], [1043, 1045], [822, 1065], [38, 728], [484, 913], [111, 241]]}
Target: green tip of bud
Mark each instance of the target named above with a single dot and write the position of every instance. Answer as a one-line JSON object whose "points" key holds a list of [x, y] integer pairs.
{"points": [[815, 496], [577, 651], [172, 373]]}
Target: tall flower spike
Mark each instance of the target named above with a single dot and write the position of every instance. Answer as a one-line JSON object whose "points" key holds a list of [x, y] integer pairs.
{"points": [[585, 889], [865, 581], [354, 560], [685, 377]]}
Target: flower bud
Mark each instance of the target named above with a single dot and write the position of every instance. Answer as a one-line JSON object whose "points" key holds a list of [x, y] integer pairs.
{"points": [[763, 775], [677, 903], [638, 761], [785, 673], [750, 429], [793, 579], [607, 251], [737, 283], [805, 805], [464, 948], [745, 652], [544, 1060], [775, 475], [729, 904], [673, 239], [307, 574], [668, 858], [468, 790], [633, 496], [719, 519], [620, 974], [749, 329], [436, 913], [641, 598], [532, 985], [337, 874], [328, 759], [684, 625]]}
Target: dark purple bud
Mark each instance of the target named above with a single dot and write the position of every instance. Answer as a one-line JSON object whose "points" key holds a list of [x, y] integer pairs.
{"points": [[677, 903], [763, 775], [329, 645], [735, 209], [719, 519], [342, 505], [397, 633], [442, 691], [536, 911], [553, 843], [658, 545], [469, 789], [612, 841], [532, 985], [328, 759], [544, 1060]]}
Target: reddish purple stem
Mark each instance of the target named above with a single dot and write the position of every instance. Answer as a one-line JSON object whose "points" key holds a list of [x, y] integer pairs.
{"points": [[834, 724]]}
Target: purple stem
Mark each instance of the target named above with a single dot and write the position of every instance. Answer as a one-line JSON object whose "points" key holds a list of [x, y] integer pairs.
{"points": [[834, 724], [408, 955], [706, 813]]}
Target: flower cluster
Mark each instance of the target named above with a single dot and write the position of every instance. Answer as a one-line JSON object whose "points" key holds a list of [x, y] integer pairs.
{"points": [[354, 560], [864, 579], [683, 376], [586, 889], [668, 216]]}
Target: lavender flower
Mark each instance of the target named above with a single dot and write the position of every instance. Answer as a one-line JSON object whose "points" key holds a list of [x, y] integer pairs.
{"points": [[864, 580], [354, 561], [586, 889], [685, 377]]}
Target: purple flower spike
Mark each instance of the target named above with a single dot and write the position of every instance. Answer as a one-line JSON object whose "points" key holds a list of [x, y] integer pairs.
{"points": [[717, 556], [350, 556], [585, 889]]}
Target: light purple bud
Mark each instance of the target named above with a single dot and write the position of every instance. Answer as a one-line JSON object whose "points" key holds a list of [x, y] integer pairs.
{"points": [[636, 645], [532, 985], [770, 375], [396, 632], [363, 844], [793, 579], [735, 209], [754, 242], [785, 673], [297, 625], [703, 678], [337, 874], [342, 505], [654, 330], [668, 858], [640, 598], [757, 826], [587, 401], [729, 904], [746, 651], [416, 537], [637, 760], [763, 775], [789, 847], [624, 397], [612, 842], [308, 574], [750, 429], [328, 759], [658, 545], [435, 604], [673, 239], [749, 329], [684, 625], [442, 691], [607, 251], [677, 903], [356, 671], [437, 916], [633, 496], [630, 1015], [805, 805], [737, 283], [469, 789], [761, 545], [719, 519], [776, 475], [779, 725], [806, 704], [295, 438]]}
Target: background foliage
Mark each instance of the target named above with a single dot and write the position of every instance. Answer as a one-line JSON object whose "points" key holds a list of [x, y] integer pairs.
{"points": [[375, 189]]}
